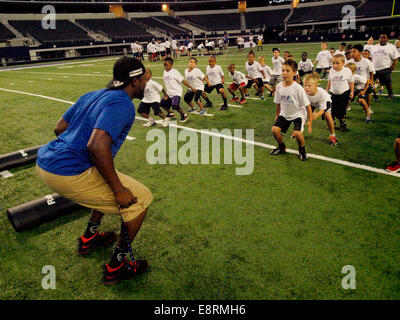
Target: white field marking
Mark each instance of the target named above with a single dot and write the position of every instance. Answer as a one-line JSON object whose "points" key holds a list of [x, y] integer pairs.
{"points": [[260, 144], [129, 138], [50, 79], [66, 67], [31, 81], [55, 64], [68, 74], [6, 174]]}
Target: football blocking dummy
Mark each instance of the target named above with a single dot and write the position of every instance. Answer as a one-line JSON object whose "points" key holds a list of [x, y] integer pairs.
{"points": [[34, 213], [18, 158]]}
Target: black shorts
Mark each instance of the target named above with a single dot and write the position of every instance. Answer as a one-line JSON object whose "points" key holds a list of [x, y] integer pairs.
{"points": [[328, 107], [298, 124], [384, 76], [168, 50], [320, 69], [145, 108], [358, 95], [209, 48], [339, 104], [190, 95], [302, 73], [258, 82], [162, 53], [216, 87], [173, 102]]}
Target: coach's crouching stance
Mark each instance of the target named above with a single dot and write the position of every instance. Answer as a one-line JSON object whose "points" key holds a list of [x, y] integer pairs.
{"points": [[79, 165]]}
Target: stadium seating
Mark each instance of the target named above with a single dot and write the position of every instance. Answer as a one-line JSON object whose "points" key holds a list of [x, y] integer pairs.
{"points": [[155, 24], [375, 9], [320, 13], [5, 34], [268, 18], [117, 29], [65, 31], [216, 22]]}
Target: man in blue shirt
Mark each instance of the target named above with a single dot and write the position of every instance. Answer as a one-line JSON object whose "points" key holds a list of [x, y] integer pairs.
{"points": [[79, 165]]}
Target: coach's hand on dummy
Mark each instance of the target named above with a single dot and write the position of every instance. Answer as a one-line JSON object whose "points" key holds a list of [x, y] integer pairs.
{"points": [[124, 197]]}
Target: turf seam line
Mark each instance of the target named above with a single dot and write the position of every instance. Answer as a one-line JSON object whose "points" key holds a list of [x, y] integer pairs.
{"points": [[260, 144]]}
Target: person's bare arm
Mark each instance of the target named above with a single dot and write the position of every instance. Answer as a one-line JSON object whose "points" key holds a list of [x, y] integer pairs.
{"points": [[310, 118], [60, 127], [394, 64], [278, 110], [351, 84], [99, 147], [186, 83], [328, 87], [206, 80]]}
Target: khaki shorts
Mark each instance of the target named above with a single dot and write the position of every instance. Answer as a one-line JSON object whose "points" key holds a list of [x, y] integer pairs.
{"points": [[89, 189]]}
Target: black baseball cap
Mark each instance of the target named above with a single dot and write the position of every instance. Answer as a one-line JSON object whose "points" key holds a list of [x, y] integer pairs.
{"points": [[125, 69]]}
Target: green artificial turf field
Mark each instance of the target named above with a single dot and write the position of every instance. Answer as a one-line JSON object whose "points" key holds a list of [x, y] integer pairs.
{"points": [[283, 232]]}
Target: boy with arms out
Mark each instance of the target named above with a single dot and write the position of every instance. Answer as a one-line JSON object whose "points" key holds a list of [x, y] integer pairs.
{"points": [[321, 100], [151, 100], [195, 78], [173, 79], [341, 86], [292, 105], [239, 82], [255, 74]]}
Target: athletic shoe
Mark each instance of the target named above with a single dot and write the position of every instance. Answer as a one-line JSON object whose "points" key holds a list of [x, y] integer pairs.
{"points": [[380, 92], [234, 99], [333, 141], [126, 270], [171, 115], [208, 105], [391, 97], [203, 112], [349, 108], [394, 167], [277, 151], [149, 124], [184, 117], [164, 123], [257, 94], [193, 109], [87, 245], [243, 100], [303, 156], [224, 108], [247, 96], [343, 127], [262, 98], [368, 120]]}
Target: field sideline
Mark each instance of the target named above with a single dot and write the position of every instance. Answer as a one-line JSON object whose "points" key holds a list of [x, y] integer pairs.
{"points": [[283, 232]]}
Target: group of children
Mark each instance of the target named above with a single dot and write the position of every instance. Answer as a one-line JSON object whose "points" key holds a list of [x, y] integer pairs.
{"points": [[295, 88]]}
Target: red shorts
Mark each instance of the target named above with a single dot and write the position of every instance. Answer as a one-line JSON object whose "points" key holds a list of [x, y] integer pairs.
{"points": [[234, 86], [154, 55]]}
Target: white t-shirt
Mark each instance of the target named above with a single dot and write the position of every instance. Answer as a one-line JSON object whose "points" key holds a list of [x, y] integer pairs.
{"points": [[306, 66], [211, 44], [163, 46], [167, 44], [220, 43], [173, 80], [369, 47], [383, 56], [254, 70], [190, 45], [364, 67], [200, 46], [238, 78], [174, 44], [240, 41], [359, 82], [324, 59], [152, 92], [320, 100], [267, 71], [134, 48], [214, 74], [277, 65], [340, 80], [151, 48], [195, 78], [340, 52], [293, 101]]}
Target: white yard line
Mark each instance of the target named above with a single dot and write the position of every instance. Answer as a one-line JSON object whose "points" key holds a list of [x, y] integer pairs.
{"points": [[260, 144]]}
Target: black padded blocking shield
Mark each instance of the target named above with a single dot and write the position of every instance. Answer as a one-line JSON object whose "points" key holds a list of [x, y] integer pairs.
{"points": [[18, 158], [33, 213]]}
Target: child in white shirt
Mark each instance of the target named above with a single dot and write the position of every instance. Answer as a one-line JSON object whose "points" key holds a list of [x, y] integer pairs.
{"points": [[323, 60], [239, 82], [216, 79]]}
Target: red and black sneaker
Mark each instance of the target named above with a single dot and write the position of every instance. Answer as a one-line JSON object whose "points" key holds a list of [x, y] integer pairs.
{"points": [[126, 270], [394, 167], [234, 99], [86, 245]]}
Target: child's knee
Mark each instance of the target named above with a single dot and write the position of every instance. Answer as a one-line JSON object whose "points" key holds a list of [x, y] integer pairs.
{"points": [[397, 141]]}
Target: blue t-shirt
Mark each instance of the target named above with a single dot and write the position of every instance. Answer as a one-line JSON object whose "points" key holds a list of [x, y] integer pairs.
{"points": [[108, 110]]}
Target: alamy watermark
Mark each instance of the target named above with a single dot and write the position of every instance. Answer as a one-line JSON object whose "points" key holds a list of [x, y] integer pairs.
{"points": [[349, 280], [349, 18], [49, 280], [49, 20], [196, 150]]}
